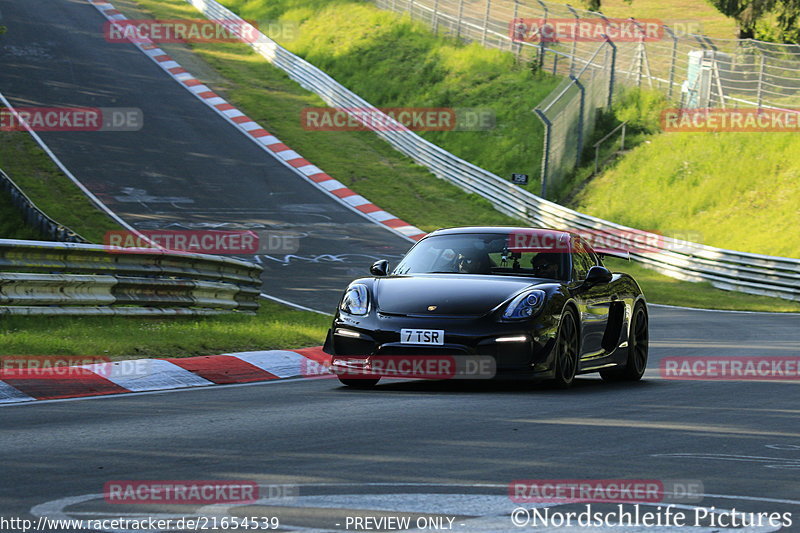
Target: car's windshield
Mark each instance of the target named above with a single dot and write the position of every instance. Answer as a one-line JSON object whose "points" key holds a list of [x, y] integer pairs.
{"points": [[476, 253]]}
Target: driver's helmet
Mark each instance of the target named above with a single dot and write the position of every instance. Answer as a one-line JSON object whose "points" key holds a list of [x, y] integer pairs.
{"points": [[472, 262], [547, 265]]}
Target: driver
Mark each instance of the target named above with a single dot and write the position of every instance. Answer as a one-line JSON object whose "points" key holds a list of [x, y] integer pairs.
{"points": [[473, 262], [547, 265]]}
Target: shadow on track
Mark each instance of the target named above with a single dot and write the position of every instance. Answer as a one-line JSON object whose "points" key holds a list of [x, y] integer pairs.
{"points": [[581, 386]]}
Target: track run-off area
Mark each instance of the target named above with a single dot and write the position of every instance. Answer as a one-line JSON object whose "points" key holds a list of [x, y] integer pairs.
{"points": [[322, 454]]}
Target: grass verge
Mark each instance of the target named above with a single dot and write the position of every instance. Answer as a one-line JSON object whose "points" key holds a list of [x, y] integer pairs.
{"points": [[12, 225], [739, 191], [47, 187], [662, 289], [692, 16], [274, 327]]}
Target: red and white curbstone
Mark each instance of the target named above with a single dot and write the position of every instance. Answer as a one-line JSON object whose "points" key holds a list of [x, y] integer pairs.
{"points": [[263, 138], [144, 375]]}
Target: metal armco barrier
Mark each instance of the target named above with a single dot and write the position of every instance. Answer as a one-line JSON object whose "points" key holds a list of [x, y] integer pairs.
{"points": [[35, 217], [50, 278], [726, 269]]}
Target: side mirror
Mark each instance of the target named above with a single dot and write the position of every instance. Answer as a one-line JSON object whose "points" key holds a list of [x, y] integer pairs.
{"points": [[597, 275], [379, 268]]}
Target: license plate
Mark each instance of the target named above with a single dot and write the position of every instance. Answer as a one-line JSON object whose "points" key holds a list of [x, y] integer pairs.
{"points": [[422, 336]]}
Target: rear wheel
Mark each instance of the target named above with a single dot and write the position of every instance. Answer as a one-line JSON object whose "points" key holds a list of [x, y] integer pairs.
{"points": [[638, 347], [567, 351], [359, 383]]}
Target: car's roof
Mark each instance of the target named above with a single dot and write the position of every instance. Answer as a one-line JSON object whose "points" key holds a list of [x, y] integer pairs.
{"points": [[501, 230]]}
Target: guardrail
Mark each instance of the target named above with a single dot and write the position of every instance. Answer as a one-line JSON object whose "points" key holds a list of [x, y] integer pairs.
{"points": [[726, 269], [50, 278], [35, 217]]}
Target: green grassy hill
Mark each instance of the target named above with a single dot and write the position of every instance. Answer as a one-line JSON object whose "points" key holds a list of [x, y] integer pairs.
{"points": [[696, 16], [737, 190], [393, 62]]}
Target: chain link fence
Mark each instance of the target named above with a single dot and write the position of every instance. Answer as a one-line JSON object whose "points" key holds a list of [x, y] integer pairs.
{"points": [[690, 70], [569, 114]]}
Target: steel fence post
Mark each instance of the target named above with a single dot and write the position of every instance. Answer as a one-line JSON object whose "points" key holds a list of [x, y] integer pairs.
{"points": [[596, 159], [672, 61], [574, 41], [542, 52], [640, 70], [546, 152], [613, 71], [542, 43], [640, 54], [460, 16], [513, 28], [544, 8], [486, 22], [582, 89], [761, 82], [435, 21]]}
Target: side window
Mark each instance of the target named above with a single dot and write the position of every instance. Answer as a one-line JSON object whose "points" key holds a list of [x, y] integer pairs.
{"points": [[581, 261], [596, 261]]}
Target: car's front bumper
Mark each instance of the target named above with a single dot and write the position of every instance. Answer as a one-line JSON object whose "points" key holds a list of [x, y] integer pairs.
{"points": [[518, 349]]}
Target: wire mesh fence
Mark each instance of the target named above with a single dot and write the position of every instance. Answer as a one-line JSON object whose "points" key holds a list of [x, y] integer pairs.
{"points": [[742, 72], [569, 113], [693, 71]]}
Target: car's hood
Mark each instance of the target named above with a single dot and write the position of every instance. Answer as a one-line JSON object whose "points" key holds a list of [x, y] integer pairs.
{"points": [[452, 294]]}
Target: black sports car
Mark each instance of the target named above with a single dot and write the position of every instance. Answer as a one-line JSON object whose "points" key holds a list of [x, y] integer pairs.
{"points": [[537, 303]]}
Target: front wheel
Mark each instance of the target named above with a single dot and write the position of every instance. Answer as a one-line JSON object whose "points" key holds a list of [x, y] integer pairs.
{"points": [[638, 347], [567, 351], [359, 383]]}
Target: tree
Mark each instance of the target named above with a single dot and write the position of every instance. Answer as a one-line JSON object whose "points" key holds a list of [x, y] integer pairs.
{"points": [[748, 13], [594, 5], [754, 17]]}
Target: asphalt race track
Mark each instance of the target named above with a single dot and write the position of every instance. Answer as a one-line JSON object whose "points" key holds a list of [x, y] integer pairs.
{"points": [[433, 449], [411, 447]]}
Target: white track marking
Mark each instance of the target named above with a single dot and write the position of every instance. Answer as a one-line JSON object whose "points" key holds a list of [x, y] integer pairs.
{"points": [[283, 364], [291, 304], [157, 375], [484, 513], [9, 394], [665, 306]]}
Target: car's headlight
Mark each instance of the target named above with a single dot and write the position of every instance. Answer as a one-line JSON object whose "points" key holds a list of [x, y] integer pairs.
{"points": [[356, 300], [525, 305]]}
